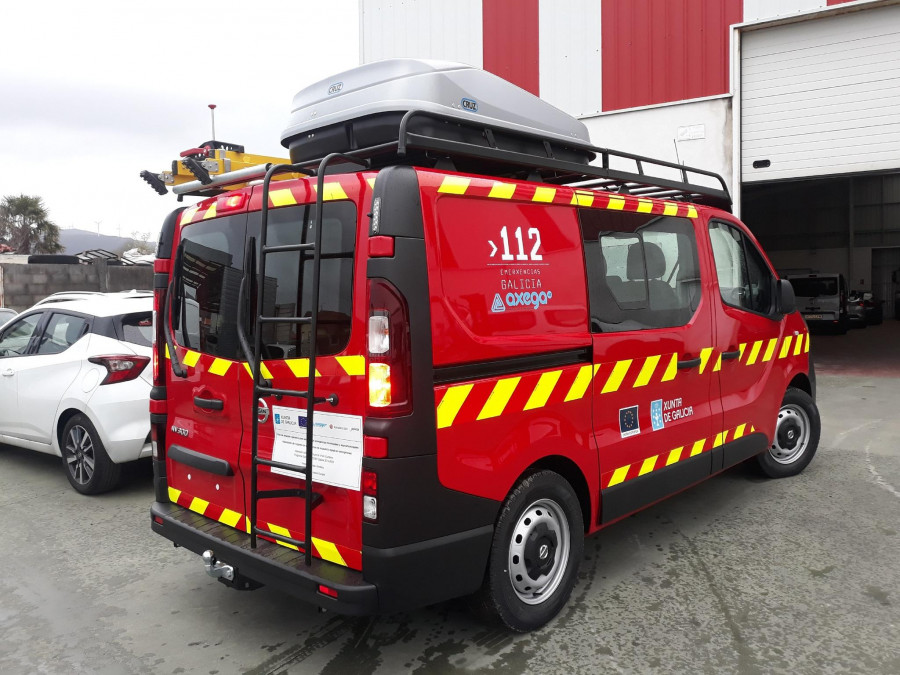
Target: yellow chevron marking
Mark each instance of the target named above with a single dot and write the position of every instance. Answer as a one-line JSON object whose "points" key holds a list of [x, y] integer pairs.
{"points": [[619, 475], [647, 370], [174, 495], [692, 212], [371, 182], [754, 353], [752, 429], [247, 524], [210, 212], [786, 346], [770, 349], [615, 378], [187, 216], [798, 345], [739, 431], [741, 347], [644, 206], [616, 203], [502, 190], [167, 351], [220, 367], [230, 518], [198, 505], [328, 551], [282, 198], [582, 382], [672, 369], [697, 448], [670, 209], [284, 533], [705, 353], [190, 358], [502, 392], [718, 365], [300, 367], [449, 406], [674, 456], [720, 438], [352, 365], [648, 465], [582, 198], [454, 185], [806, 344], [544, 194], [331, 191], [543, 389]]}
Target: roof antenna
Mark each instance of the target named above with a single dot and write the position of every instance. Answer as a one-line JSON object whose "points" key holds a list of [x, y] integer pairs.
{"points": [[212, 113]]}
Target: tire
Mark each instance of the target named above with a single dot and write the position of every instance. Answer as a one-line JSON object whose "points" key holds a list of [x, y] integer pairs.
{"points": [[520, 589], [796, 436], [88, 468]]}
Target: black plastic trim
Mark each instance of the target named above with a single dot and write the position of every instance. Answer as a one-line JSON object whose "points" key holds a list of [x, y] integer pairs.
{"points": [[158, 393], [735, 452], [474, 371], [167, 235], [160, 481], [200, 461], [157, 418], [160, 280]]}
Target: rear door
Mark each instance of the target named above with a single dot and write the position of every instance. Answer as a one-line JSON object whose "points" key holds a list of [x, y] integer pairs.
{"points": [[204, 409], [340, 368], [656, 404]]}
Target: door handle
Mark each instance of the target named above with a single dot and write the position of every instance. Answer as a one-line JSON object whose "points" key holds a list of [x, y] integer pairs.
{"points": [[209, 403], [9, 372], [690, 363], [731, 355]]}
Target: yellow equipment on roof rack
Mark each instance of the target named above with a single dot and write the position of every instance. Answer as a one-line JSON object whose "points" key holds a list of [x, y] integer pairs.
{"points": [[213, 168]]}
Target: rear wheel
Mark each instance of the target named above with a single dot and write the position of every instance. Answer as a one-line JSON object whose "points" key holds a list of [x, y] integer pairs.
{"points": [[796, 436], [538, 545], [88, 467]]}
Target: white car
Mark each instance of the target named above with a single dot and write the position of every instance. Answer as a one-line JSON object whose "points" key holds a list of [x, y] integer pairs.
{"points": [[74, 382]]}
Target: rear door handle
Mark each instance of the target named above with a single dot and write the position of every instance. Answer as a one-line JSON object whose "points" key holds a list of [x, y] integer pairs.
{"points": [[690, 363], [209, 403], [732, 355]]}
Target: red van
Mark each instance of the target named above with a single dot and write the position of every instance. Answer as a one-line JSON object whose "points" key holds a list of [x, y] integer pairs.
{"points": [[395, 379]]}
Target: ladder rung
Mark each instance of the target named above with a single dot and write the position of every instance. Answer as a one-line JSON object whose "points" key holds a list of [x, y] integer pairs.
{"points": [[285, 319], [284, 248], [279, 537], [281, 465]]}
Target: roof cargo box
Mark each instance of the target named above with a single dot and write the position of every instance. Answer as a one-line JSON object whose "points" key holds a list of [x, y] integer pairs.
{"points": [[361, 110]]}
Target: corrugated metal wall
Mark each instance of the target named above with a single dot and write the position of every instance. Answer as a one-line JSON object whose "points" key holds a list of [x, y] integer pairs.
{"points": [[512, 50], [656, 51], [449, 31], [570, 55]]}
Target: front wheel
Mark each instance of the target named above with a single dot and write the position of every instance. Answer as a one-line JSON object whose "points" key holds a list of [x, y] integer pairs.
{"points": [[538, 545], [796, 436]]}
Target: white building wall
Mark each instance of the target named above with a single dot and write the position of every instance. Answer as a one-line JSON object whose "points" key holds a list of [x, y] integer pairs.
{"points": [[450, 31], [829, 260], [757, 10], [570, 63], [699, 129]]}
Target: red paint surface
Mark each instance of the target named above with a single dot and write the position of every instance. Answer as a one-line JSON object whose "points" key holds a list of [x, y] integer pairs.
{"points": [[656, 51], [838, 2], [511, 41]]}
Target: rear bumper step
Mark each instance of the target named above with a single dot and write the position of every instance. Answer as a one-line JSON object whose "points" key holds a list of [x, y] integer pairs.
{"points": [[270, 564]]}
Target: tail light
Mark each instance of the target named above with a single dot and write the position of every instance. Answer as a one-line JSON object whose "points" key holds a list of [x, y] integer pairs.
{"points": [[159, 338], [388, 351], [370, 495], [120, 368]]}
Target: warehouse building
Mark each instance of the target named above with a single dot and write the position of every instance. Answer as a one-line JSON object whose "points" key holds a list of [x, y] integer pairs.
{"points": [[795, 102]]}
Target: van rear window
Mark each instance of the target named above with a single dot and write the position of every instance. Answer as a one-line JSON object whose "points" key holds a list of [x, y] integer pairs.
{"points": [[814, 288]]}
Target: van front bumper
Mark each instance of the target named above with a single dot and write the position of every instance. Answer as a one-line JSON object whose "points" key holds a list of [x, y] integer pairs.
{"points": [[277, 566]]}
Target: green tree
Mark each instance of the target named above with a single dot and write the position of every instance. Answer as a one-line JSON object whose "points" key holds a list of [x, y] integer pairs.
{"points": [[25, 225]]}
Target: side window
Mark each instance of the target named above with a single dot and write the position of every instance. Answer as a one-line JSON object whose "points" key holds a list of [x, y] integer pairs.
{"points": [[14, 340], [642, 270], [745, 280], [61, 332]]}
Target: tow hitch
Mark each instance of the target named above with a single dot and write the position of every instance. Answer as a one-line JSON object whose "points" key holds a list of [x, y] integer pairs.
{"points": [[226, 574]]}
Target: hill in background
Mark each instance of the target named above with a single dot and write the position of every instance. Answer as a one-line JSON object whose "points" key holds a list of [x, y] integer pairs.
{"points": [[76, 241]]}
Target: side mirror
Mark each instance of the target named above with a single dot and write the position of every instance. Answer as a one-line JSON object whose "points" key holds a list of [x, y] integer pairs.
{"points": [[786, 301]]}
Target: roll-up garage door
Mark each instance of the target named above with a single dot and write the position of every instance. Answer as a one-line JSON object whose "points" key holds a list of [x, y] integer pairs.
{"points": [[821, 97]]}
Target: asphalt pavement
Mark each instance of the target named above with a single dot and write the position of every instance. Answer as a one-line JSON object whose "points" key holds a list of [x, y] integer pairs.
{"points": [[737, 575]]}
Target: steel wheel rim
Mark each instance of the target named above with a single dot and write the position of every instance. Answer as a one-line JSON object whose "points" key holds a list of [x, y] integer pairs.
{"points": [[80, 456], [792, 433], [534, 572]]}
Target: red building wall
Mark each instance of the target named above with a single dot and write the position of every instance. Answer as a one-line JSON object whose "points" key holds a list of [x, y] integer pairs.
{"points": [[511, 41], [656, 51]]}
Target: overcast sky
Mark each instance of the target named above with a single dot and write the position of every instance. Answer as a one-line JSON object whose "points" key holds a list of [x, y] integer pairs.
{"points": [[92, 92]]}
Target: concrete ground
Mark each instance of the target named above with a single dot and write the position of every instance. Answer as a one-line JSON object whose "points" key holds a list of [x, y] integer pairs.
{"points": [[738, 575]]}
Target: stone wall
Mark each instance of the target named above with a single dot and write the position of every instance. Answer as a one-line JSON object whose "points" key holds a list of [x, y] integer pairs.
{"points": [[23, 285]]}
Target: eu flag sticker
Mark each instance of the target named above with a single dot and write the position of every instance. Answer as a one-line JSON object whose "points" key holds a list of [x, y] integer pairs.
{"points": [[656, 416], [628, 421]]}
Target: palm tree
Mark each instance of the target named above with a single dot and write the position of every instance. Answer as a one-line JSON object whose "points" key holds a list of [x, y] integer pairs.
{"points": [[25, 225]]}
